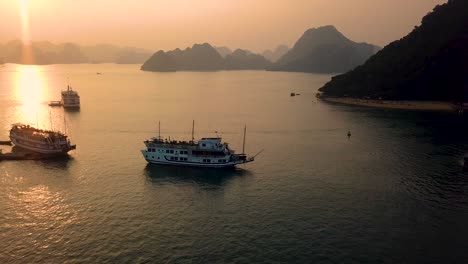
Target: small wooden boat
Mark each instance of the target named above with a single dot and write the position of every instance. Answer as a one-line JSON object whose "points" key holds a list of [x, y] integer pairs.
{"points": [[5, 142], [55, 103]]}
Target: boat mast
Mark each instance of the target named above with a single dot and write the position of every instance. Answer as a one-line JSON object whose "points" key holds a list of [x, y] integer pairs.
{"points": [[159, 130], [65, 124], [50, 119], [243, 143], [193, 130]]}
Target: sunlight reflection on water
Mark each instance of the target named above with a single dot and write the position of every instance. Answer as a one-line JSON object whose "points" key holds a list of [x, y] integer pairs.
{"points": [[30, 90]]}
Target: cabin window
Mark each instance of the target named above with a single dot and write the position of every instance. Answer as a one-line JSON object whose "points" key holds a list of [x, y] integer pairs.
{"points": [[203, 145]]}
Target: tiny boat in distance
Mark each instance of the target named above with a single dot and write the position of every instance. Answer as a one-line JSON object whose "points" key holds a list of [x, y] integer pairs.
{"points": [[70, 99], [40, 141], [207, 152], [55, 103]]}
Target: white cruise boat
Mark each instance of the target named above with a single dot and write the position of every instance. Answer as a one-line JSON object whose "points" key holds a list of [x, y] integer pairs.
{"points": [[207, 152], [40, 141], [70, 98]]}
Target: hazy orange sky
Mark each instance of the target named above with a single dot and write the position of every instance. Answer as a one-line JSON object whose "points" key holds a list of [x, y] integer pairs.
{"points": [[167, 24]]}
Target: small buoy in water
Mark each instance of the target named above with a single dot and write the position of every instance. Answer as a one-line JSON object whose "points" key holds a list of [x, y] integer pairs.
{"points": [[349, 133], [293, 94]]}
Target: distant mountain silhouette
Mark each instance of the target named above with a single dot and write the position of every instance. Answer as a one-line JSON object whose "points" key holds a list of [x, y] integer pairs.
{"points": [[203, 57], [131, 56], [223, 51], [44, 52], [324, 50], [245, 60], [109, 53], [160, 61], [430, 63], [70, 53], [273, 56]]}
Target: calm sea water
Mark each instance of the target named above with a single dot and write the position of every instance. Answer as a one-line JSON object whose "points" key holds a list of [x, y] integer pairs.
{"points": [[392, 193]]}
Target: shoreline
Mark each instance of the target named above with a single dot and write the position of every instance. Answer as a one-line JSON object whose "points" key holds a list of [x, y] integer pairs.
{"points": [[439, 106]]}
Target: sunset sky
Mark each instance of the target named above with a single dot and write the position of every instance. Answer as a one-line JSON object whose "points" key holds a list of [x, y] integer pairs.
{"points": [[162, 24]]}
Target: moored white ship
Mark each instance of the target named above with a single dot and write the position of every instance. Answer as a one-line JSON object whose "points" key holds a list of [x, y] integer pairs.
{"points": [[207, 152], [40, 141], [70, 98]]}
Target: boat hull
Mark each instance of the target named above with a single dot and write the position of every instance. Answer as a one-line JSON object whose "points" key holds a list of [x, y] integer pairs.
{"points": [[40, 150], [195, 164], [68, 106]]}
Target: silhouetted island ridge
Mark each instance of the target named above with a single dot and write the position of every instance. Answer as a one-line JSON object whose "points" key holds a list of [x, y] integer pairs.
{"points": [[429, 64], [45, 52], [204, 57]]}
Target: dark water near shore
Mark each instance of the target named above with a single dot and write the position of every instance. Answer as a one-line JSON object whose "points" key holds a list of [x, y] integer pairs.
{"points": [[392, 193]]}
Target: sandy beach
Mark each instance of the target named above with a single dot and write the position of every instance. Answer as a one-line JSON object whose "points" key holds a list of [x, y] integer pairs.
{"points": [[407, 105]]}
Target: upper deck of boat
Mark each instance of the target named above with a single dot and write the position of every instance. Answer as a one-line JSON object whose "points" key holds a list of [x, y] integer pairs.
{"points": [[204, 144], [70, 92], [34, 132]]}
